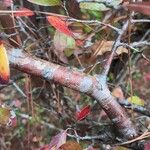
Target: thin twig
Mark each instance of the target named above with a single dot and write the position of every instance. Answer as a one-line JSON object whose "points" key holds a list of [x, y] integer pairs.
{"points": [[136, 108], [114, 48], [140, 20], [94, 22]]}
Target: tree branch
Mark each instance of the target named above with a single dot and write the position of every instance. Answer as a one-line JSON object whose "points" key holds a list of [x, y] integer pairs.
{"points": [[94, 86]]}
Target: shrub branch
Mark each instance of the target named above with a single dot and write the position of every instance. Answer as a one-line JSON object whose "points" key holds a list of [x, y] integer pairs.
{"points": [[94, 86]]}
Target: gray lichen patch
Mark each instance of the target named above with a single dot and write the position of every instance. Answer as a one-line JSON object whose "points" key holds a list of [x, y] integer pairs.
{"points": [[86, 84], [48, 73], [15, 53], [40, 65]]}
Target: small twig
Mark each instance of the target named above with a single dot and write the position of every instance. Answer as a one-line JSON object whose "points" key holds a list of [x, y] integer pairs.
{"points": [[140, 20], [129, 46], [146, 35], [64, 6], [140, 43], [143, 136], [95, 22], [19, 90], [3, 12], [114, 48], [13, 79], [136, 108], [99, 137], [148, 60], [6, 36]]}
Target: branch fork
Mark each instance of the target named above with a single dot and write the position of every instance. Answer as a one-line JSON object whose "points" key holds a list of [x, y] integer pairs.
{"points": [[94, 86]]}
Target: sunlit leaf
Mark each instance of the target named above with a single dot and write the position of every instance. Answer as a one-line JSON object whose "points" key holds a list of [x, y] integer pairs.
{"points": [[83, 113], [136, 100], [24, 12], [93, 6], [60, 25], [46, 2], [4, 65]]}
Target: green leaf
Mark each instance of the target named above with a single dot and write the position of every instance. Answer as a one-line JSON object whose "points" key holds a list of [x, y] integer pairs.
{"points": [[136, 100], [46, 2], [93, 6]]}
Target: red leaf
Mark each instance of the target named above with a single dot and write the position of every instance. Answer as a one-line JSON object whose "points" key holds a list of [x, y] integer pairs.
{"points": [[23, 12], [142, 7], [60, 25], [83, 113]]}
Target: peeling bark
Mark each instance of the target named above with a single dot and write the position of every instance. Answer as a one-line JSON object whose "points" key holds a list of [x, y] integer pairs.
{"points": [[94, 86]]}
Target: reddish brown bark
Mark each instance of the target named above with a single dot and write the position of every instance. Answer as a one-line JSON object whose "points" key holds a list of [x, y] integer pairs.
{"points": [[94, 86]]}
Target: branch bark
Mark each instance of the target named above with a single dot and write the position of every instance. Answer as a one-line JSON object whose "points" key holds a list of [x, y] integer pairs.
{"points": [[94, 86]]}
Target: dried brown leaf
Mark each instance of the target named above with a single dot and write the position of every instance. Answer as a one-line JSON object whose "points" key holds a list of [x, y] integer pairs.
{"points": [[70, 145], [117, 92], [101, 47]]}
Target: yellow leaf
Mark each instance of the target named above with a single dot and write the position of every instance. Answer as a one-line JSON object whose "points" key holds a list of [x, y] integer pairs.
{"points": [[4, 65], [136, 100]]}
